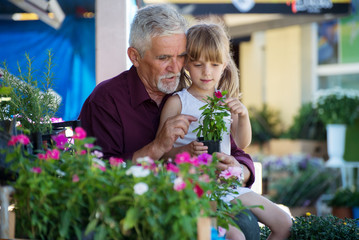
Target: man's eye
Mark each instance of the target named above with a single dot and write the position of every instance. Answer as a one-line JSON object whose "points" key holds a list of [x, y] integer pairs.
{"points": [[163, 58]]}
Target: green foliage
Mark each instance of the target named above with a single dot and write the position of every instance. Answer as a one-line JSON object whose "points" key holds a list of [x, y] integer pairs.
{"points": [[306, 125], [212, 124], [33, 102], [345, 197], [68, 191], [313, 227], [265, 123], [337, 106]]}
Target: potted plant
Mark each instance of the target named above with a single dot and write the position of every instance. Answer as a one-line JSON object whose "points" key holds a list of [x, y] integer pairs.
{"points": [[33, 102], [337, 108], [320, 227], [342, 203], [211, 123], [69, 192]]}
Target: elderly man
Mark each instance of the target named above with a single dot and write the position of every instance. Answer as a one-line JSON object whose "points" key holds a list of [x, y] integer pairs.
{"points": [[123, 113]]}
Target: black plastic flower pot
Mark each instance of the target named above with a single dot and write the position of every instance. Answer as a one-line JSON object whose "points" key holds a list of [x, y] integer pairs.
{"points": [[213, 146]]}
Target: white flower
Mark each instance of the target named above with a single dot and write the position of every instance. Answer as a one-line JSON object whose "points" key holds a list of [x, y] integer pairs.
{"points": [[138, 171], [145, 159], [98, 154], [140, 188], [60, 173], [99, 162]]}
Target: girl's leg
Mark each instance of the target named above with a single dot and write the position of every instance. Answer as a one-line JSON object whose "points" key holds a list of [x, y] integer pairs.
{"points": [[278, 221]]}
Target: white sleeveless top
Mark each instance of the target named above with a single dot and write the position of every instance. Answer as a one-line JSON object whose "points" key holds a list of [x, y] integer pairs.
{"points": [[190, 106]]}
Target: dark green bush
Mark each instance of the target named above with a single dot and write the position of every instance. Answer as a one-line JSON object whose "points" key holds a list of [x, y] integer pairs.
{"points": [[320, 227]]}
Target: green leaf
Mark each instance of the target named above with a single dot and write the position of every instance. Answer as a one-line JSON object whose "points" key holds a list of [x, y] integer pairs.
{"points": [[132, 216], [91, 226]]}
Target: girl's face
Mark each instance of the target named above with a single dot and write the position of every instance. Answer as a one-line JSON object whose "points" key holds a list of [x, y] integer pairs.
{"points": [[205, 75]]}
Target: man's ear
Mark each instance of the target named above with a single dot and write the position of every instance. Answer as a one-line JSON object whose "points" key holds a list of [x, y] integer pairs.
{"points": [[134, 56]]}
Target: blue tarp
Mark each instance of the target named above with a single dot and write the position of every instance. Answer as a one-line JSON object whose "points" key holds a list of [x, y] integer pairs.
{"points": [[73, 48]]}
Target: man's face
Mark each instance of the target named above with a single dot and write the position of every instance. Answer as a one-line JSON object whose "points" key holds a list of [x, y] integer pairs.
{"points": [[161, 64]]}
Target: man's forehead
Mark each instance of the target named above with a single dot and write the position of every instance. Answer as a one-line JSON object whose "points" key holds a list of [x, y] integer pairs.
{"points": [[174, 44]]}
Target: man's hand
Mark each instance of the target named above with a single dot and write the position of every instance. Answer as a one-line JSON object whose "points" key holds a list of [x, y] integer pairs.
{"points": [[226, 161], [174, 127]]}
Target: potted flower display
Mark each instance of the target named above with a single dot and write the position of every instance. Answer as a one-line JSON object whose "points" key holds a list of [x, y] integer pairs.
{"points": [[212, 123], [33, 102], [343, 202], [69, 192], [337, 108]]}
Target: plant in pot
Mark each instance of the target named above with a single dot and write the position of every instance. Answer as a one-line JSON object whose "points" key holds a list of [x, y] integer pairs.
{"points": [[33, 102], [212, 123], [342, 203], [337, 108]]}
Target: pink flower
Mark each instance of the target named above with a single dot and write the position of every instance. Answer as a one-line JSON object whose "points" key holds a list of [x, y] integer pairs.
{"points": [[218, 94], [173, 168], [198, 190], [205, 159], [75, 178], [22, 139], [204, 178], [182, 158], [102, 168], [36, 170], [221, 231], [12, 141], [53, 154], [115, 161], [98, 154], [56, 120], [232, 172], [80, 133], [82, 152], [42, 156], [89, 145], [60, 140], [179, 184]]}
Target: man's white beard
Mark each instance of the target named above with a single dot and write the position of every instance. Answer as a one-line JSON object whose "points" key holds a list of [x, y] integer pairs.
{"points": [[168, 87]]}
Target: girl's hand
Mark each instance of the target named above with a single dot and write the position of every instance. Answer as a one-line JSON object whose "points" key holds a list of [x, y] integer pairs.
{"points": [[195, 148], [236, 107]]}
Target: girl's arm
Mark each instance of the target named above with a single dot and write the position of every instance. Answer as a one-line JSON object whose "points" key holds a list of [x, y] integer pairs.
{"points": [[172, 108], [241, 129]]}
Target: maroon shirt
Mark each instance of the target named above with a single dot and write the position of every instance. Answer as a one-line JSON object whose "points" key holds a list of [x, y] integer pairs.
{"points": [[123, 118]]}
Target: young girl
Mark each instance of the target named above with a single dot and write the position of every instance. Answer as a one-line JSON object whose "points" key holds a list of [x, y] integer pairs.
{"points": [[211, 67]]}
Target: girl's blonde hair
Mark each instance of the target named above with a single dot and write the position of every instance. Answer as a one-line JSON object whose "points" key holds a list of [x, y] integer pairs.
{"points": [[210, 41]]}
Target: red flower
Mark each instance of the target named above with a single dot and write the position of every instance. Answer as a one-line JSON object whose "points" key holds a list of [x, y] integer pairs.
{"points": [[218, 94], [198, 190]]}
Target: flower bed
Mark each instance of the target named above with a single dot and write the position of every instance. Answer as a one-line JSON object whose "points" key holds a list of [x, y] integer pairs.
{"points": [[68, 192]]}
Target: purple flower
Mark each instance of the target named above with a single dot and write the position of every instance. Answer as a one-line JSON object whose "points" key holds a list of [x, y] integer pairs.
{"points": [[60, 140]]}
